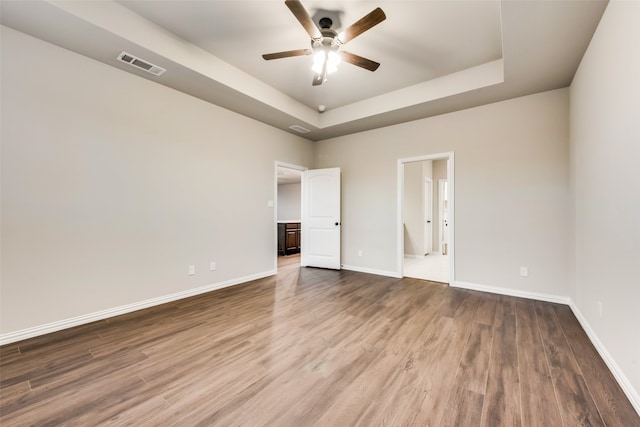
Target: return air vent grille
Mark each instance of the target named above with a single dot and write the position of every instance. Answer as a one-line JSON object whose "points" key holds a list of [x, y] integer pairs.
{"points": [[141, 64], [299, 129]]}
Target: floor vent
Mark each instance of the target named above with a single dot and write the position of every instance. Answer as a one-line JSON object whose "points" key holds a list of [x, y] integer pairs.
{"points": [[299, 129], [141, 64]]}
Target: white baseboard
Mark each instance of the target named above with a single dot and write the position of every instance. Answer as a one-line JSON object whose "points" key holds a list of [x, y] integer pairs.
{"points": [[393, 274], [623, 381], [414, 256], [116, 311], [512, 292], [625, 384]]}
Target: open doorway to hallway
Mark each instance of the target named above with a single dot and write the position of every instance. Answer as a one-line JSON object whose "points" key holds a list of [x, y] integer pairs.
{"points": [[425, 210]]}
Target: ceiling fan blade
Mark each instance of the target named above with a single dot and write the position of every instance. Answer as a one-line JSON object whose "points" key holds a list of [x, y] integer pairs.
{"points": [[368, 21], [359, 61], [287, 54], [303, 17]]}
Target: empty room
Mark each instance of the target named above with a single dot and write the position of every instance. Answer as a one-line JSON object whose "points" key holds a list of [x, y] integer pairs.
{"points": [[213, 213]]}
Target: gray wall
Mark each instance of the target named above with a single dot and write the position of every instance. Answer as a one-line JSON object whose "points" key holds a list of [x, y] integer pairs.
{"points": [[605, 149], [289, 202], [113, 185], [511, 187]]}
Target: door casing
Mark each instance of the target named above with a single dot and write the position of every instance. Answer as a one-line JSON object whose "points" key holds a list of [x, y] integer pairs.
{"points": [[399, 219], [427, 215]]}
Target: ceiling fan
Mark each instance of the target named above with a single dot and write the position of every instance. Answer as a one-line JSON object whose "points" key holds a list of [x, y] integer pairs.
{"points": [[326, 41]]}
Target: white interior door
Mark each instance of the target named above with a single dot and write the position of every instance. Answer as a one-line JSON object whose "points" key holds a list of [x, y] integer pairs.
{"points": [[321, 218], [428, 214]]}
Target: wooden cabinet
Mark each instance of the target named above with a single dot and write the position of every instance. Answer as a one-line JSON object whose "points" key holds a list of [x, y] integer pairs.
{"points": [[288, 238]]}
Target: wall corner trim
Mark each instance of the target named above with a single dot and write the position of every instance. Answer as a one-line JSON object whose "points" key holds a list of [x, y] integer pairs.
{"points": [[35, 331], [621, 378]]}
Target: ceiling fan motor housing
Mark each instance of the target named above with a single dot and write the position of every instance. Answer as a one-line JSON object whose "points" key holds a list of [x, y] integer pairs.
{"points": [[329, 38], [325, 22]]}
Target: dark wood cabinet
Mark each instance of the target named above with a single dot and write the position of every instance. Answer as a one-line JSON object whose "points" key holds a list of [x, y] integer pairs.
{"points": [[288, 238]]}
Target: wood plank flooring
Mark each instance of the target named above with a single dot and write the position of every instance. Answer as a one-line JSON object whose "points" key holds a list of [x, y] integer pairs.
{"points": [[318, 347]]}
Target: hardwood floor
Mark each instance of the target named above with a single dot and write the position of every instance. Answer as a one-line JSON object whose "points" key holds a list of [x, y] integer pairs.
{"points": [[318, 347]]}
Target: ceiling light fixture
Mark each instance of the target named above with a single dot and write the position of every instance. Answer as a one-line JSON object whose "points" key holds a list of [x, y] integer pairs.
{"points": [[325, 41], [328, 58], [325, 55]]}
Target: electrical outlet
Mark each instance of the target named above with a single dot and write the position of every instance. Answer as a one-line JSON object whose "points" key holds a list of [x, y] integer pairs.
{"points": [[212, 266], [360, 252], [192, 270], [524, 271]]}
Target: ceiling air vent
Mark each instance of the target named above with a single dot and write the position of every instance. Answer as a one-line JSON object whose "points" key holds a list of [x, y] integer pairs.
{"points": [[141, 64], [299, 129]]}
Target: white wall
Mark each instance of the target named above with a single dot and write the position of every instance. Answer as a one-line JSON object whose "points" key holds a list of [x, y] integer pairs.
{"points": [[511, 188], [289, 202], [605, 151], [112, 185]]}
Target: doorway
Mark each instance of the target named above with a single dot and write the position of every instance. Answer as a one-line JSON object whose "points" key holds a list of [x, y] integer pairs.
{"points": [[425, 217], [307, 216], [288, 214]]}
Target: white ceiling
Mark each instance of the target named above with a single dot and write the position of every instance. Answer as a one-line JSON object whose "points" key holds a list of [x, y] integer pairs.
{"points": [[436, 56]]}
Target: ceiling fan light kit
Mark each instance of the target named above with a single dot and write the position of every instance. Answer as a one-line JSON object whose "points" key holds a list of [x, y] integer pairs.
{"points": [[325, 58], [326, 42]]}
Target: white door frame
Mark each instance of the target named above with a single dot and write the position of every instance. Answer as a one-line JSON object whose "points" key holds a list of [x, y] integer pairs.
{"points": [[400, 193], [275, 205], [427, 214], [441, 226]]}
